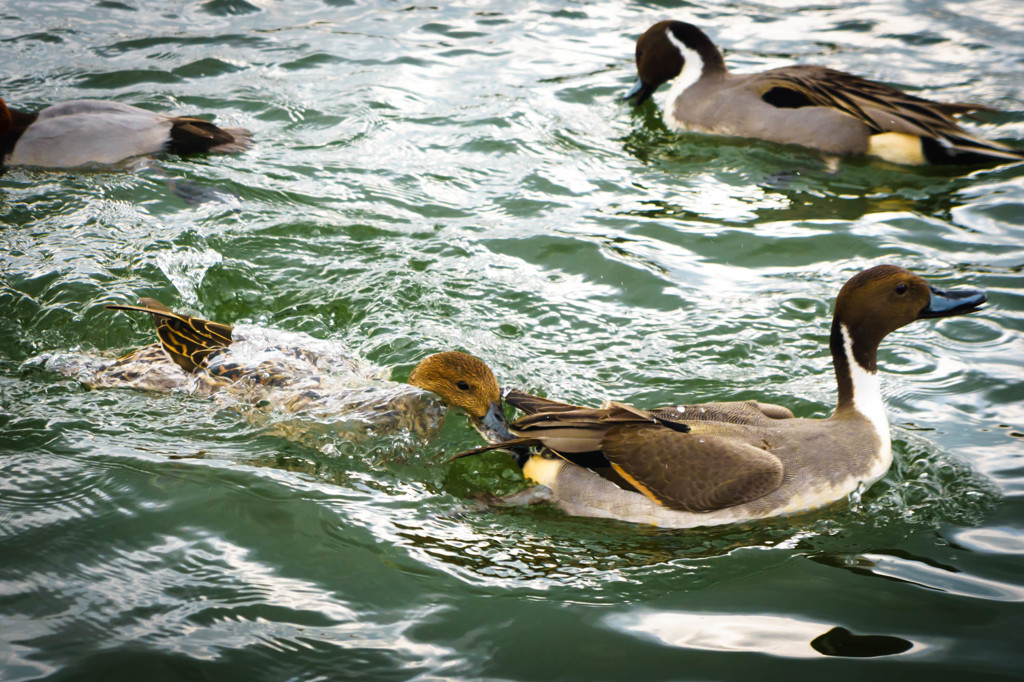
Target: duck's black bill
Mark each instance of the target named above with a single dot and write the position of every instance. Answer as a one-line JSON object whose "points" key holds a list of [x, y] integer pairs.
{"points": [[949, 303], [640, 90], [519, 448]]}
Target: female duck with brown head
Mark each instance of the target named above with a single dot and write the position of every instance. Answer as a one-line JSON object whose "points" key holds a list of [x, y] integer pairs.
{"points": [[465, 381], [293, 374], [812, 106], [716, 463]]}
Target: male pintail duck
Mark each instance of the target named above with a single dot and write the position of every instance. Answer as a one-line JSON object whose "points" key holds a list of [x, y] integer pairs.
{"points": [[716, 463], [90, 131], [293, 373], [812, 106]]}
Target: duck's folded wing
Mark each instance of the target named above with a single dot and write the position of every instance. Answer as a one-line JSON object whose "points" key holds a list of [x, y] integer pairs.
{"points": [[885, 109], [881, 107], [190, 341], [690, 472], [575, 431], [582, 429]]}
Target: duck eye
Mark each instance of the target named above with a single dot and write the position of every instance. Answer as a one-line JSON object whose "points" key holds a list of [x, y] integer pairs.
{"points": [[901, 289], [463, 386]]}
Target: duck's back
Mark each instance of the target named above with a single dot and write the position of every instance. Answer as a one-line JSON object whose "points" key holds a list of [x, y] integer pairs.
{"points": [[733, 105], [300, 385], [83, 132]]}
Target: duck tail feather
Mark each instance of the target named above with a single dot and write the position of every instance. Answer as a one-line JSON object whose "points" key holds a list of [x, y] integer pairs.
{"points": [[967, 150], [190, 341], [194, 135]]}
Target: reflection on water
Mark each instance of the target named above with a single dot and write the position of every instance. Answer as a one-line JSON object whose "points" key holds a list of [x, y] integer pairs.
{"points": [[773, 635], [945, 579], [997, 540]]}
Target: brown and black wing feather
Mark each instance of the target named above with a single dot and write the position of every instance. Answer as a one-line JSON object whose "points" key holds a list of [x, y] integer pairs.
{"points": [[574, 433], [581, 430], [884, 109], [658, 457], [190, 341], [530, 404], [690, 472]]}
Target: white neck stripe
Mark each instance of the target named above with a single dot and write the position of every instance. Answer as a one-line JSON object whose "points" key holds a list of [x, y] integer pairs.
{"points": [[867, 392], [693, 69]]}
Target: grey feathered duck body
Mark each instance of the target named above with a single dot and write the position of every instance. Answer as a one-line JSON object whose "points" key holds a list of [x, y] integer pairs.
{"points": [[714, 463], [812, 106]]}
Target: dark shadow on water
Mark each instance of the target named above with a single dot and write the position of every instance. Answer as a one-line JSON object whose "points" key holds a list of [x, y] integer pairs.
{"points": [[841, 642], [194, 194]]}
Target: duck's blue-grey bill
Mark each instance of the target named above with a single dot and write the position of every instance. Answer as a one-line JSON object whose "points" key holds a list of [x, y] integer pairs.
{"points": [[956, 302], [495, 426], [635, 90]]}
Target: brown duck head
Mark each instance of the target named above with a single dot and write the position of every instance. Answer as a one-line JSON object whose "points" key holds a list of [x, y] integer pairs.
{"points": [[661, 54], [880, 300], [468, 383]]}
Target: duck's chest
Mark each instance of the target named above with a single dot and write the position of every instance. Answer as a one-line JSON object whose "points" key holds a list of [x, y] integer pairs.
{"points": [[826, 460]]}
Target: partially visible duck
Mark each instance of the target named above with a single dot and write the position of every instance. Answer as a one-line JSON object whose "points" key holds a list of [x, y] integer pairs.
{"points": [[812, 106], [716, 463], [90, 131], [269, 370]]}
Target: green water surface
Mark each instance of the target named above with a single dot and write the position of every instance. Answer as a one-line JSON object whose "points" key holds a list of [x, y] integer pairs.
{"points": [[430, 176]]}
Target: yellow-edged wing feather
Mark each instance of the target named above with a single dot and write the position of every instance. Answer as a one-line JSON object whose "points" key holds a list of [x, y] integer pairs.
{"points": [[661, 458], [190, 341], [691, 472]]}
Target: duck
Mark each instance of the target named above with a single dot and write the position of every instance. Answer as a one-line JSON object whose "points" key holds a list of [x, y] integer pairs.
{"points": [[710, 464], [98, 132], [262, 370], [812, 106]]}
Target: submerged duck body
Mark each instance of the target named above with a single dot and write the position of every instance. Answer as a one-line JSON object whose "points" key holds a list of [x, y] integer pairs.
{"points": [[264, 372], [811, 106], [89, 131], [717, 463]]}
